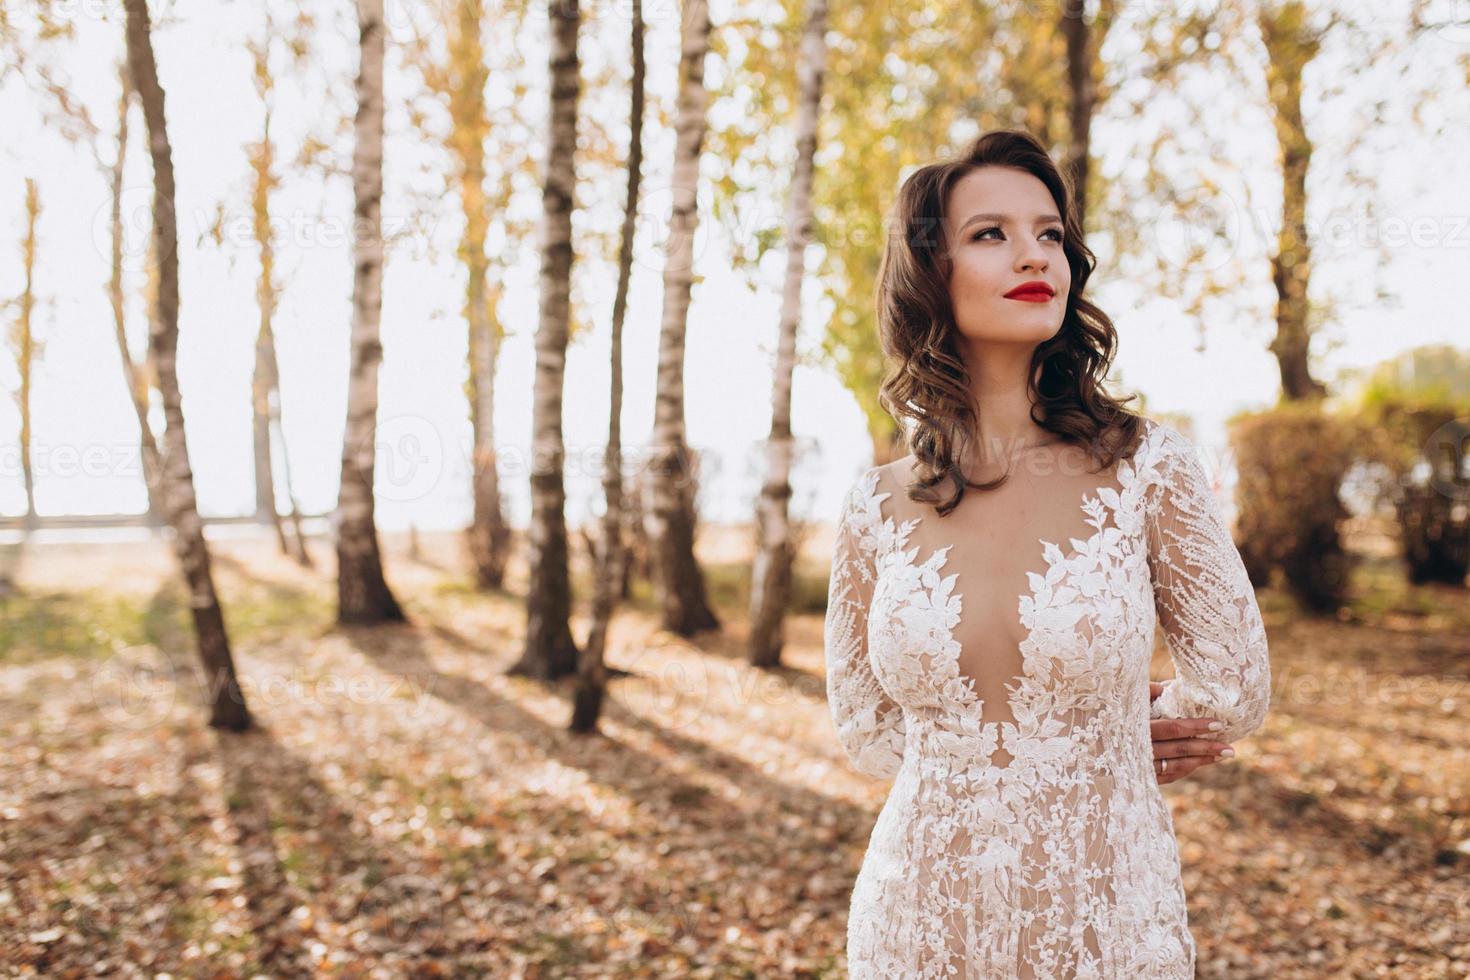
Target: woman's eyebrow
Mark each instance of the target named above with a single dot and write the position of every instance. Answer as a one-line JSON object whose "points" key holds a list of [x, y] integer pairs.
{"points": [[992, 216]]}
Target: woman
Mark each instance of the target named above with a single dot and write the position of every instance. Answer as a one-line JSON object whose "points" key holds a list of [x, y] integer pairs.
{"points": [[993, 602]]}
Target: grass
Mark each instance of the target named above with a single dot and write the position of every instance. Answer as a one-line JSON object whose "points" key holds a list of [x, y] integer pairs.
{"points": [[1380, 593], [94, 625], [727, 586]]}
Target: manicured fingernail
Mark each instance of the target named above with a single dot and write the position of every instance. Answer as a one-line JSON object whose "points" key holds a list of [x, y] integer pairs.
{"points": [[1214, 726], [1228, 752]]}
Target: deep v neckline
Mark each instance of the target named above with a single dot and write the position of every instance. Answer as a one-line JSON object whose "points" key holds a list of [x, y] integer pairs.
{"points": [[1047, 588]]}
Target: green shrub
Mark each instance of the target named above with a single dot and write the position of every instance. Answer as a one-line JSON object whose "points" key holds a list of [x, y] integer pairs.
{"points": [[1291, 461], [1419, 443]]}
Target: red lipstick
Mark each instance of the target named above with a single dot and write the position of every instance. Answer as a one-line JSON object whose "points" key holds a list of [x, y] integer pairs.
{"points": [[1034, 291]]}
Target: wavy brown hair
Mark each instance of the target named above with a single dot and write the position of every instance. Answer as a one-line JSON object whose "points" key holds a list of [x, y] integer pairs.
{"points": [[927, 382]]}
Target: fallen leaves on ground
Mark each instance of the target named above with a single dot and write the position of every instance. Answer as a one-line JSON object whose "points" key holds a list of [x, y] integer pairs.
{"points": [[405, 808]]}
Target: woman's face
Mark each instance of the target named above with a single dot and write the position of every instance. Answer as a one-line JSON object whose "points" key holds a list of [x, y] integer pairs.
{"points": [[1004, 231]]}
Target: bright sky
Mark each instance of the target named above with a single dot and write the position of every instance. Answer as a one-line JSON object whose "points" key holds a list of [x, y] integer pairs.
{"points": [[85, 440]]}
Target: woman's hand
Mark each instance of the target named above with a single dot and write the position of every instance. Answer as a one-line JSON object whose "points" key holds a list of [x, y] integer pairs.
{"points": [[1183, 742]]}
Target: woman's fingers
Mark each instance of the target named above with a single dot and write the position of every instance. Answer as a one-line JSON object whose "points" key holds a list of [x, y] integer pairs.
{"points": [[1161, 729], [1184, 742], [1181, 767], [1176, 747]]}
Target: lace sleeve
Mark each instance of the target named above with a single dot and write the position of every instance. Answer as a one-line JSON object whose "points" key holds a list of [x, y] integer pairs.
{"points": [[870, 725], [1206, 605]]}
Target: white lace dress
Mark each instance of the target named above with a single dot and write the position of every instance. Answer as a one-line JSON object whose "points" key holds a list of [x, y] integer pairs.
{"points": [[1002, 681]]}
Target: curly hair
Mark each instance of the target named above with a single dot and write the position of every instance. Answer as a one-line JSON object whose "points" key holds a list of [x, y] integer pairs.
{"points": [[927, 381]]}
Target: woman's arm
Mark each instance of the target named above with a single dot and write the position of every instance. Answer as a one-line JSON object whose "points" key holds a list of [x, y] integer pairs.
{"points": [[1205, 604], [869, 724]]}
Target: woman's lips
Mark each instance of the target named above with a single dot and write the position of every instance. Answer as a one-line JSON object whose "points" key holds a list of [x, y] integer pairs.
{"points": [[1032, 296]]}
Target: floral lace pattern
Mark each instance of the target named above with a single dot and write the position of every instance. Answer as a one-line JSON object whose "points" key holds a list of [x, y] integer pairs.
{"points": [[1060, 861]]}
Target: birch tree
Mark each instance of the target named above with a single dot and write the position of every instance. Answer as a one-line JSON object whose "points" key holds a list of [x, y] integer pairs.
{"points": [[550, 652], [137, 379], [23, 343], [227, 701], [683, 605], [591, 669], [267, 425], [486, 152], [489, 532], [363, 595], [770, 592], [1292, 42], [26, 349]]}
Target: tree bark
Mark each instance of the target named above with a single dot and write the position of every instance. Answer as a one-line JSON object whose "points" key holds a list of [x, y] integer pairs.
{"points": [[363, 595], [266, 383], [298, 537], [1083, 91], [260, 431], [25, 346], [550, 652], [227, 701], [771, 571], [685, 609], [489, 532], [262, 392], [136, 381], [1290, 46], [591, 668]]}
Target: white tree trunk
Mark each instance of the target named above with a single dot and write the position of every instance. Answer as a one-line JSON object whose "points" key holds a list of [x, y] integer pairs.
{"points": [[138, 384], [550, 651], [775, 550], [591, 670], [489, 533], [363, 595], [227, 701], [685, 609]]}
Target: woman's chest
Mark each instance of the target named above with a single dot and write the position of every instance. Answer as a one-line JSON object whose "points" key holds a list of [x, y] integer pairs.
{"points": [[1050, 605]]}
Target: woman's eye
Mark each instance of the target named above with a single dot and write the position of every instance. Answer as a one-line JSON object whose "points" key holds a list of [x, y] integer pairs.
{"points": [[985, 231]]}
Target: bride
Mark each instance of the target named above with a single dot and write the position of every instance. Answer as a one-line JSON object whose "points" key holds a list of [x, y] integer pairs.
{"points": [[993, 603]]}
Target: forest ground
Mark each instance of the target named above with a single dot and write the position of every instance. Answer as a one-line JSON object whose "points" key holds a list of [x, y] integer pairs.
{"points": [[406, 809]]}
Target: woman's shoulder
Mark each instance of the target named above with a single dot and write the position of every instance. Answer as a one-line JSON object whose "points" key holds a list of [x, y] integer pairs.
{"points": [[881, 480], [898, 472], [862, 511], [1165, 442], [865, 493], [1167, 463]]}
